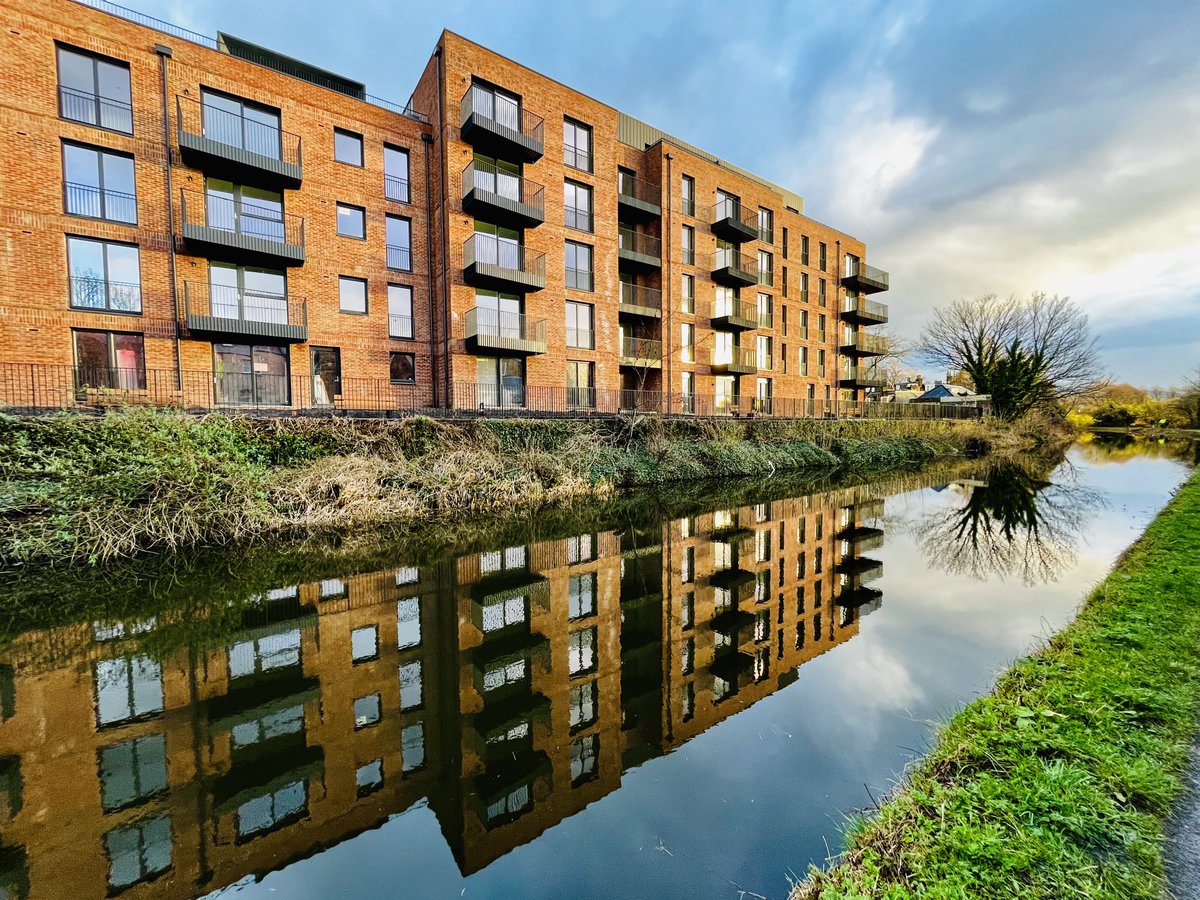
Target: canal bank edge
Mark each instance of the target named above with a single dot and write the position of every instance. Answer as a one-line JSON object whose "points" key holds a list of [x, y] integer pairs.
{"points": [[84, 489], [1061, 781]]}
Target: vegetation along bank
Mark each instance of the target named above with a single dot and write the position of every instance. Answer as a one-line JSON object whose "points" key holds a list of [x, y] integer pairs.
{"points": [[1059, 783], [79, 488]]}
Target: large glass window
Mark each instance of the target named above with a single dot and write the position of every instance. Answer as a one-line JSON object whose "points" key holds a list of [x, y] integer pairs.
{"points": [[347, 147], [581, 651], [112, 359], [581, 384], [688, 293], [498, 246], [408, 623], [395, 174], [585, 753], [687, 192], [402, 368], [251, 375], [127, 688], [577, 145], [94, 91], [411, 695], [132, 771], [581, 595], [240, 123], [265, 654], [580, 331], [364, 643], [765, 356], [766, 270], [99, 184], [104, 275], [247, 210], [400, 312], [268, 726], [766, 225], [352, 295], [687, 342], [351, 221], [272, 810], [577, 206], [138, 852], [412, 747], [501, 381], [399, 243], [578, 263], [499, 106], [583, 705], [687, 245], [247, 293]]}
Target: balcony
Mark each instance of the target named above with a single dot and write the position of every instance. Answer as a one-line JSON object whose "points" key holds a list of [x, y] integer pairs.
{"points": [[862, 344], [501, 197], [637, 300], [733, 222], [241, 231], [641, 353], [861, 378], [638, 250], [506, 131], [852, 598], [489, 262], [738, 361], [637, 198], [861, 568], [864, 311], [729, 267], [862, 538], [865, 279], [734, 315], [488, 330], [215, 311], [236, 147]]}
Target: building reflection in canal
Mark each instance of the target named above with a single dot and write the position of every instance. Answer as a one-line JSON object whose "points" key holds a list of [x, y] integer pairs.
{"points": [[506, 689]]}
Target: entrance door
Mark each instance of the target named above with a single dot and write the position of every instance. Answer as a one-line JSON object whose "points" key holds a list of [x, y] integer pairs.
{"points": [[326, 375]]}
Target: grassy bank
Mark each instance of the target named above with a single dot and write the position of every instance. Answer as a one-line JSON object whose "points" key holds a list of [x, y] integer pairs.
{"points": [[1057, 784], [77, 488]]}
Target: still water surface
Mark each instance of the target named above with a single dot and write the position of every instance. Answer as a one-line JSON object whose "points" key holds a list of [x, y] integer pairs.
{"points": [[678, 700]]}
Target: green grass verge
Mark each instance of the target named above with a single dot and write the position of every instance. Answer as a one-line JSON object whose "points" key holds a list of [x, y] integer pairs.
{"points": [[1060, 782]]}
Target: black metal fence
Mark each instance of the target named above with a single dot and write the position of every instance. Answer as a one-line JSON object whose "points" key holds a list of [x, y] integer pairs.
{"points": [[34, 388]]}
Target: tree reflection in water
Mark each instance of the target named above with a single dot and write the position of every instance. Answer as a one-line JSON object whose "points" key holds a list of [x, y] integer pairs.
{"points": [[1012, 522]]}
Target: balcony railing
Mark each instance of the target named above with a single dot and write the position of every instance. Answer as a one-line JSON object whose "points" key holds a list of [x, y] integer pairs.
{"points": [[396, 188], [96, 203], [735, 361], [641, 352], [639, 300], [864, 344], [731, 221], [99, 294], [224, 142], [861, 309], [639, 249], [858, 377], [399, 258], [506, 130], [400, 326], [766, 318], [734, 315], [95, 109], [491, 262], [865, 279], [502, 197], [241, 230], [766, 276], [514, 332], [225, 310], [735, 269], [637, 196]]}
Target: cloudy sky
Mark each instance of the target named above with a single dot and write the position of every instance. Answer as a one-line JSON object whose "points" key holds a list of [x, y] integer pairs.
{"points": [[977, 147]]}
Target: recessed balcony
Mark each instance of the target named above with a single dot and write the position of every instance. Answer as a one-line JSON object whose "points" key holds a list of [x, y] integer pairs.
{"points": [[488, 332], [865, 279], [862, 344], [737, 361], [638, 198], [861, 568], [241, 231], [219, 312], [734, 315], [641, 353], [502, 197], [734, 269], [864, 311], [637, 250], [862, 538], [500, 129], [861, 379], [489, 262], [733, 222], [638, 300], [235, 146]]}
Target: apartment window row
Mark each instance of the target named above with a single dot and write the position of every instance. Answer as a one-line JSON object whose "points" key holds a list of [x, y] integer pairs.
{"points": [[352, 223]]}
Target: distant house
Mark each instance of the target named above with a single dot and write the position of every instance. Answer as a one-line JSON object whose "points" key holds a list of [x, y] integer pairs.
{"points": [[901, 395], [953, 393]]}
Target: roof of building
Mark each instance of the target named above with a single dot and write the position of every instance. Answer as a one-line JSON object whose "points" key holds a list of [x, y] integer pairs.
{"points": [[940, 390]]}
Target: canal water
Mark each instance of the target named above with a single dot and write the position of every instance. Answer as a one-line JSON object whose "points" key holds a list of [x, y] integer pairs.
{"points": [[679, 696]]}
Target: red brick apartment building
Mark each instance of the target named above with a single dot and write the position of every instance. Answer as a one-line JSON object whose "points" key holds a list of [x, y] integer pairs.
{"points": [[211, 223]]}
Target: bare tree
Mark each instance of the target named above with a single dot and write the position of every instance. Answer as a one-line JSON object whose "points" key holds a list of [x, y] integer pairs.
{"points": [[1025, 353]]}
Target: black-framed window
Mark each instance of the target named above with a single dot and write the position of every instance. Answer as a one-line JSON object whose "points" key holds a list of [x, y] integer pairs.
{"points": [[411, 681], [352, 295], [104, 275], [585, 758], [687, 245], [94, 90], [581, 384], [368, 711], [231, 120], [581, 651], [364, 644], [251, 375], [581, 332], [99, 184], [128, 687], [138, 852], [368, 778], [396, 174], [766, 225], [244, 209], [824, 256], [348, 147], [351, 221], [766, 268], [687, 195], [804, 250], [402, 368], [132, 771], [583, 703], [577, 145], [112, 359], [581, 595], [400, 311], [577, 259], [399, 243], [687, 288], [577, 205]]}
